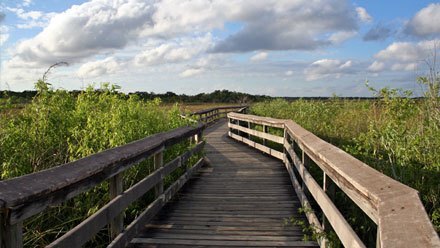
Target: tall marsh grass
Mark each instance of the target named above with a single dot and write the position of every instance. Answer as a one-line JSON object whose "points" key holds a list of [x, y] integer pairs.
{"points": [[396, 134], [58, 127]]}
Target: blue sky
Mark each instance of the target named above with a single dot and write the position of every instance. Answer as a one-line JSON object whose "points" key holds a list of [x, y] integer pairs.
{"points": [[273, 47]]}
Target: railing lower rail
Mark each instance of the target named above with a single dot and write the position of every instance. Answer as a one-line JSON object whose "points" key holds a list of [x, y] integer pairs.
{"points": [[23, 197], [26, 196], [396, 208]]}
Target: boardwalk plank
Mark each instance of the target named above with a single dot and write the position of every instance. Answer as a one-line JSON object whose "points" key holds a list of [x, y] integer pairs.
{"points": [[242, 199]]}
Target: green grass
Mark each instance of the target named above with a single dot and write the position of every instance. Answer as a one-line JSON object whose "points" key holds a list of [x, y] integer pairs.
{"points": [[397, 135], [58, 127]]}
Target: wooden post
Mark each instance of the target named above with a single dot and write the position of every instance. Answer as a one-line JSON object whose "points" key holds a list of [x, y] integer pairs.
{"points": [[306, 162], [115, 189], [158, 163], [378, 239], [285, 140], [11, 236], [249, 126], [329, 188], [265, 130]]}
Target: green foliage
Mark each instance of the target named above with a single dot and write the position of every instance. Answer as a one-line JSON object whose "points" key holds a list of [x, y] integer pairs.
{"points": [[395, 134], [58, 127], [311, 232]]}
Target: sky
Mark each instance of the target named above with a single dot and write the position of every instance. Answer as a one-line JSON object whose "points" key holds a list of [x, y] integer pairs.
{"points": [[271, 47]]}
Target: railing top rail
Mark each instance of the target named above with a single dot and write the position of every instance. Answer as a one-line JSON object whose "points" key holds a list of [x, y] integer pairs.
{"points": [[395, 207], [217, 108], [57, 184]]}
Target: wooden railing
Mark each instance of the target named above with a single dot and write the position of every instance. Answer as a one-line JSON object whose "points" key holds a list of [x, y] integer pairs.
{"points": [[395, 208], [23, 197], [209, 116]]}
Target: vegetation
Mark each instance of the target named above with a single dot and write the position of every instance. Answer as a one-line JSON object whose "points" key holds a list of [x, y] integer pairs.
{"points": [[218, 96], [396, 134], [57, 127]]}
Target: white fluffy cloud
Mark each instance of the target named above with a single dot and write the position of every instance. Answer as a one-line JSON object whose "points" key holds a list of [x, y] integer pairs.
{"points": [[191, 72], [425, 22], [85, 30], [259, 56], [341, 36], [32, 19], [403, 56], [102, 26], [98, 68], [286, 24], [325, 68], [376, 66], [363, 14], [173, 51], [288, 73]]}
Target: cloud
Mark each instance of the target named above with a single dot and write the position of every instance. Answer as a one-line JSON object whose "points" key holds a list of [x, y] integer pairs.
{"points": [[363, 15], [85, 30], [191, 72], [173, 51], [99, 68], [288, 73], [404, 56], [32, 18], [378, 32], [341, 36], [376, 66], [287, 25], [325, 68], [4, 34], [425, 22], [259, 57], [26, 3]]}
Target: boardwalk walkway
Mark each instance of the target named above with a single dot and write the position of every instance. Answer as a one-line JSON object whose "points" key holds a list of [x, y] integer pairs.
{"points": [[241, 199]]}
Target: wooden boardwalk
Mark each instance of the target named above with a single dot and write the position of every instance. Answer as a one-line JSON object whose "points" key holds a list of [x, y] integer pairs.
{"points": [[242, 198]]}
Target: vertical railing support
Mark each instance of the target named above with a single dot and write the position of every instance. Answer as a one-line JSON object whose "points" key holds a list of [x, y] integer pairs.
{"points": [[249, 126], [10, 235], [158, 163], [306, 162], [115, 189], [265, 130], [329, 188], [378, 245]]}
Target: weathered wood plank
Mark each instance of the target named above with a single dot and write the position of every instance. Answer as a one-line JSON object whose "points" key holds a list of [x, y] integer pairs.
{"points": [[375, 193], [32, 193], [115, 189], [124, 238], [260, 147], [256, 133], [209, 242], [245, 193], [83, 232]]}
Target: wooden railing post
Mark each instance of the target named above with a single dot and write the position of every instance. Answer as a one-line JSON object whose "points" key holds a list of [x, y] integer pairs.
{"points": [[158, 163], [329, 188], [265, 130], [115, 189], [249, 126], [306, 162], [11, 236]]}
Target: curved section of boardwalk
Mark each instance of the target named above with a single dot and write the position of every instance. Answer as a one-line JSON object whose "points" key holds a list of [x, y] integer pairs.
{"points": [[241, 199]]}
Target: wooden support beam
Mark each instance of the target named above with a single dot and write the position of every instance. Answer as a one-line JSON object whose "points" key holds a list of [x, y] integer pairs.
{"points": [[158, 163], [115, 189], [329, 189], [11, 236]]}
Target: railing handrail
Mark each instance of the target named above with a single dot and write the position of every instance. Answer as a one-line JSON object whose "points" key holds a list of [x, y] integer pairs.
{"points": [[203, 111], [25, 196], [396, 208], [209, 116]]}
